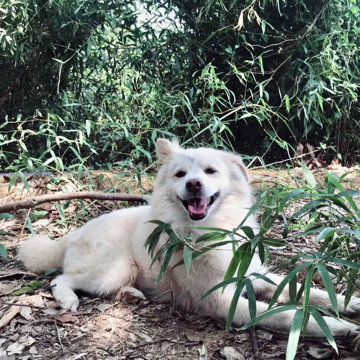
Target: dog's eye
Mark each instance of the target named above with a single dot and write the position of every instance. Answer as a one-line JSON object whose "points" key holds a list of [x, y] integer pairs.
{"points": [[210, 171], [180, 174]]}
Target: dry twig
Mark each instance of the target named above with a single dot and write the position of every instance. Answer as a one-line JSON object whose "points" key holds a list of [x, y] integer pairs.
{"points": [[32, 202], [59, 337], [282, 161], [26, 305]]}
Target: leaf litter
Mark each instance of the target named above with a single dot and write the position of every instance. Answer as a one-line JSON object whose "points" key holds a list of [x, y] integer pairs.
{"points": [[33, 327]]}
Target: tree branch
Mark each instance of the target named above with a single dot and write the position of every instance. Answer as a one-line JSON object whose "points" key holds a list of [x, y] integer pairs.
{"points": [[32, 202]]}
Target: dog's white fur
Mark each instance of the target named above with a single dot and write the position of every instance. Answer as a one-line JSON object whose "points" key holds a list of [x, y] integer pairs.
{"points": [[107, 255]]}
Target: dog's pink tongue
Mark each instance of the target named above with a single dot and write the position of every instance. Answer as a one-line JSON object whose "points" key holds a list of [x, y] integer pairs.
{"points": [[197, 206]]}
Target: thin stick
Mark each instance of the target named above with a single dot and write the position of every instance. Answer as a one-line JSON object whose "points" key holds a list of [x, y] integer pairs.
{"points": [[59, 337], [26, 305], [32, 202], [27, 216], [255, 343], [293, 158], [42, 321], [279, 253]]}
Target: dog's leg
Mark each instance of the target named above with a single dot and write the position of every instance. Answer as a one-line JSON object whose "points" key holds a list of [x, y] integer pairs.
{"points": [[99, 278], [317, 297], [128, 294], [279, 322], [62, 289]]}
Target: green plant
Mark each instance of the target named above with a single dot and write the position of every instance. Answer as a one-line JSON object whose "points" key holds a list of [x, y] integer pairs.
{"points": [[89, 84], [331, 215], [29, 288]]}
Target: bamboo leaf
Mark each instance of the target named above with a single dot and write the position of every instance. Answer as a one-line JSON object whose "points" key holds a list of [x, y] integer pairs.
{"points": [[309, 177], [329, 286], [324, 327], [3, 251], [187, 258], [268, 313], [286, 280], [287, 103], [294, 335], [250, 294], [233, 305]]}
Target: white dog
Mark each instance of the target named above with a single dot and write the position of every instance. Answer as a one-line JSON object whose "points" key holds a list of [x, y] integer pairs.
{"points": [[194, 187]]}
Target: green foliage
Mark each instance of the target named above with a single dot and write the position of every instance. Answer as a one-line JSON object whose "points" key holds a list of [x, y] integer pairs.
{"points": [[331, 213], [3, 251], [29, 288], [94, 83]]}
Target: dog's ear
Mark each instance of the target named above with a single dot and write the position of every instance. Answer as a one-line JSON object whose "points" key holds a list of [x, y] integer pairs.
{"points": [[239, 162], [164, 148]]}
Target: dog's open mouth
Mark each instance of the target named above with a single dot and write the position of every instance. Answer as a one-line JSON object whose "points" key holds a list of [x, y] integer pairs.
{"points": [[198, 206]]}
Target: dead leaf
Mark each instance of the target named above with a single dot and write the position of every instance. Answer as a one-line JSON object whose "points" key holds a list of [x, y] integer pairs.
{"points": [[27, 340], [319, 353], [229, 353], [41, 223], [33, 350], [144, 337], [103, 307], [192, 336], [300, 149], [35, 300], [240, 21], [9, 315], [48, 296], [9, 287], [10, 274], [310, 150], [25, 329], [50, 311], [165, 345], [133, 337], [14, 337], [264, 335], [319, 163], [66, 318], [25, 312], [79, 356], [277, 355], [3, 355], [335, 164], [240, 338], [15, 348], [131, 344]]}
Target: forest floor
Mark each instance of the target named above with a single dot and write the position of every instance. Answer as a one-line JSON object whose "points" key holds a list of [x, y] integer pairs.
{"points": [[33, 327]]}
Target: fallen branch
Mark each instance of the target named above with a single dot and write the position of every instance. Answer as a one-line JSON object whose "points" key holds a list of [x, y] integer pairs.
{"points": [[34, 201]]}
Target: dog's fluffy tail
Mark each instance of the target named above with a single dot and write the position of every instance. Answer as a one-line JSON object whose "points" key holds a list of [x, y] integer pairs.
{"points": [[40, 253]]}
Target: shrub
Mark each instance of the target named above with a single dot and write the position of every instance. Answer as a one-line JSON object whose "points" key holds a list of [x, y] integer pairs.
{"points": [[94, 83]]}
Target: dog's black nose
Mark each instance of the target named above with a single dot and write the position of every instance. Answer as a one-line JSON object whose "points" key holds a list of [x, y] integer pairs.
{"points": [[193, 185]]}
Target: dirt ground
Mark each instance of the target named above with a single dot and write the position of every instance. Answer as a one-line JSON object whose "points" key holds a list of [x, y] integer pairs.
{"points": [[33, 327]]}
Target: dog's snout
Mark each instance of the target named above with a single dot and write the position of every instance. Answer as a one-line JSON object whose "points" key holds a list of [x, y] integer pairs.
{"points": [[194, 185]]}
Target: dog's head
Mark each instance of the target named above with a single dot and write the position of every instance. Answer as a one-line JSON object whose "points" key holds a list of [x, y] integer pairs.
{"points": [[198, 180]]}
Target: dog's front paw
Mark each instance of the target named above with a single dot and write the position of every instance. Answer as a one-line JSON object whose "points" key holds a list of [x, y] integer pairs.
{"points": [[63, 293], [68, 300], [342, 328]]}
